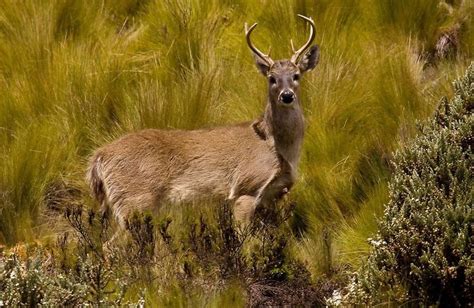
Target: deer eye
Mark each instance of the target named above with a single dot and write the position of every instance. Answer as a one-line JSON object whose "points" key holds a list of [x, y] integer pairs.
{"points": [[272, 80], [296, 77]]}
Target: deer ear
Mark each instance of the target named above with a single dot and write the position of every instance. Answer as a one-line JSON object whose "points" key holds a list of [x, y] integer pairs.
{"points": [[310, 59], [262, 66]]}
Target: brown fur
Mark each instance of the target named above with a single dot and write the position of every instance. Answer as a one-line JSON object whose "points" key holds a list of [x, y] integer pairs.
{"points": [[142, 170]]}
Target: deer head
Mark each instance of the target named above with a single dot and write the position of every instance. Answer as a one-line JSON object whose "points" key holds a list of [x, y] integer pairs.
{"points": [[284, 75]]}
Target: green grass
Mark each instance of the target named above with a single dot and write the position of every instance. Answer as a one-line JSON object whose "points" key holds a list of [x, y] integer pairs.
{"points": [[75, 75]]}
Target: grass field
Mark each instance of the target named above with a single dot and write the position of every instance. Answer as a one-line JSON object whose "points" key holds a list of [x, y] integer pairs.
{"points": [[75, 75]]}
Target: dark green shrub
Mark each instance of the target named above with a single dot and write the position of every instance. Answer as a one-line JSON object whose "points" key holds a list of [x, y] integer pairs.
{"points": [[423, 252]]}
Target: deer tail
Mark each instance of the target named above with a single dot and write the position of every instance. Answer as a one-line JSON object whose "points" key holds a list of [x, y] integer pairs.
{"points": [[96, 182]]}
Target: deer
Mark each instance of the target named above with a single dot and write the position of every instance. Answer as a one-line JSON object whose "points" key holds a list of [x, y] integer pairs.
{"points": [[249, 164]]}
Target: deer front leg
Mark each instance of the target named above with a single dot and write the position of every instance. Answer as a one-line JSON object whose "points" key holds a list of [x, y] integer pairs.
{"points": [[277, 186], [244, 208], [267, 192]]}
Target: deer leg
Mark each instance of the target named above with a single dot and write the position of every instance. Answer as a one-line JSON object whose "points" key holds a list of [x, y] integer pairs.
{"points": [[267, 192], [274, 189], [244, 208], [117, 224], [121, 210]]}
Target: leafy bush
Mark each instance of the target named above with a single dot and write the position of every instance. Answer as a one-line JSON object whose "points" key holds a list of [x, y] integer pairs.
{"points": [[423, 250]]}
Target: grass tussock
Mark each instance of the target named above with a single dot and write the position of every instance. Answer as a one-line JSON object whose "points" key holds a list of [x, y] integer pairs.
{"points": [[75, 75]]}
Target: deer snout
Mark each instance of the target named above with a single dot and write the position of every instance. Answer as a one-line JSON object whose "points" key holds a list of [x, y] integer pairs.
{"points": [[287, 97]]}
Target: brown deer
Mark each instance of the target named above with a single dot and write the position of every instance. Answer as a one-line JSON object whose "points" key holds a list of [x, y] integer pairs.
{"points": [[250, 164]]}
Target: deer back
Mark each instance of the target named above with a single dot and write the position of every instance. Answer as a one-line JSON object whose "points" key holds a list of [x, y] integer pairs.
{"points": [[150, 167]]}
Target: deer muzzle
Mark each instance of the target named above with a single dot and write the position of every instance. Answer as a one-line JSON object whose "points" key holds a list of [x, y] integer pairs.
{"points": [[286, 97]]}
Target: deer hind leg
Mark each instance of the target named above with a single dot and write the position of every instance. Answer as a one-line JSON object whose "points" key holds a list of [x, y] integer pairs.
{"points": [[121, 211], [116, 224]]}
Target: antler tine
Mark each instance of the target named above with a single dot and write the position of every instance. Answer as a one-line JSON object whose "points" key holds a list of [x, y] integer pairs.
{"points": [[312, 34], [260, 54]]}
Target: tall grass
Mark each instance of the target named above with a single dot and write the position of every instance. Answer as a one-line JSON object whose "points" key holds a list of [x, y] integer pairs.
{"points": [[75, 75]]}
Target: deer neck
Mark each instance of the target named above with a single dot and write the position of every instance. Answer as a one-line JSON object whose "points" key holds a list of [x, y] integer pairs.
{"points": [[285, 125]]}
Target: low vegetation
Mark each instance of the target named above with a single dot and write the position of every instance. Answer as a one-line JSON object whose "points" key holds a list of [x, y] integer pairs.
{"points": [[201, 263], [75, 75]]}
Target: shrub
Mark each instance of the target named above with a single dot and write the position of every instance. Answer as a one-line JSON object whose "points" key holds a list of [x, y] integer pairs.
{"points": [[70, 272], [30, 284], [423, 249]]}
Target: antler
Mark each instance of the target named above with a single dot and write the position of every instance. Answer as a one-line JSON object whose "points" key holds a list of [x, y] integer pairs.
{"points": [[312, 34], [260, 54]]}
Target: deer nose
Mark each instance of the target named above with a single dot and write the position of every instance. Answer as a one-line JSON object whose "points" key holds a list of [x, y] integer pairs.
{"points": [[287, 97]]}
